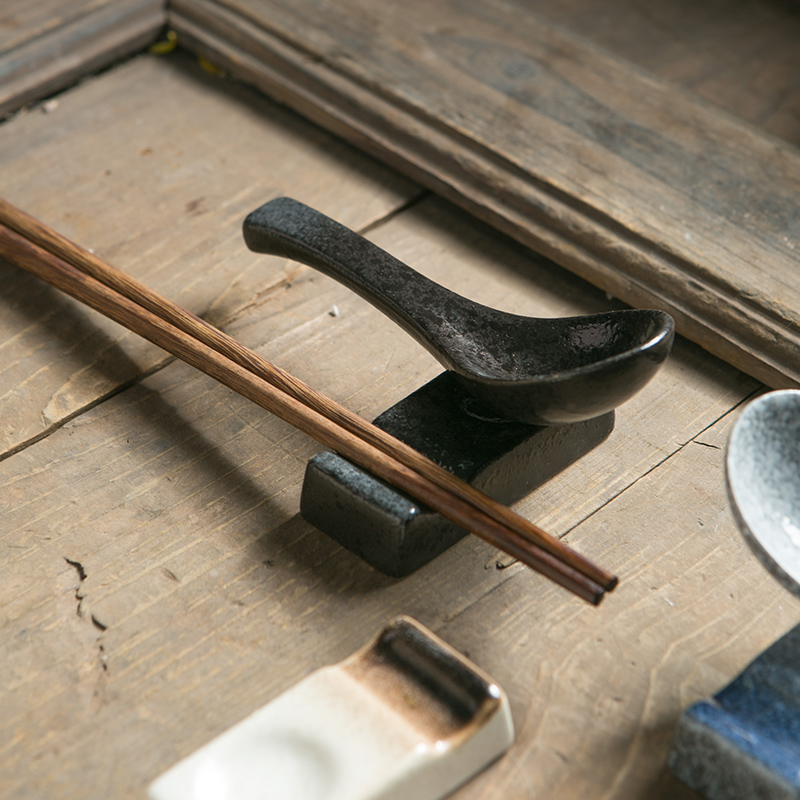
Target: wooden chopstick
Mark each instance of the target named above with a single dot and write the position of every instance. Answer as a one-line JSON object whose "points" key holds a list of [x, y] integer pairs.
{"points": [[491, 516], [129, 287], [82, 287]]}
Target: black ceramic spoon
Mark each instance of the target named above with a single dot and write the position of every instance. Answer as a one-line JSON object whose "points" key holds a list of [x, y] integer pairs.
{"points": [[535, 370]]}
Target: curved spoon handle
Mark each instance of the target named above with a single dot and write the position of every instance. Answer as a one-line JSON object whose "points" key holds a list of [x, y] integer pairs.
{"points": [[426, 310]]}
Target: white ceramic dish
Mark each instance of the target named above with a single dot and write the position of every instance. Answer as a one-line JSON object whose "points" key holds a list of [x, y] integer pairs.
{"points": [[405, 717]]}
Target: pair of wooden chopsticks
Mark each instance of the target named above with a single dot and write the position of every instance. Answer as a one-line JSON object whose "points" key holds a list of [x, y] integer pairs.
{"points": [[36, 248]]}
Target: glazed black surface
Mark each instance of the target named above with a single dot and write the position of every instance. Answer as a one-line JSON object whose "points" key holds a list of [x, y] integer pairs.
{"points": [[503, 458], [535, 370]]}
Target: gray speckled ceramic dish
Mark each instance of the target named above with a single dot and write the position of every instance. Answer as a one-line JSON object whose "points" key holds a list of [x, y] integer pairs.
{"points": [[763, 473]]}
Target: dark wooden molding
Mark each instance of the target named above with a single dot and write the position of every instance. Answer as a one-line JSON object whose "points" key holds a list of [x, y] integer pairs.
{"points": [[643, 189], [80, 38], [647, 191]]}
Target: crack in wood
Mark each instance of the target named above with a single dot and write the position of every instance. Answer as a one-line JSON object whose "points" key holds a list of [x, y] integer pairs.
{"points": [[85, 409], [79, 567], [390, 215], [681, 446], [80, 597]]}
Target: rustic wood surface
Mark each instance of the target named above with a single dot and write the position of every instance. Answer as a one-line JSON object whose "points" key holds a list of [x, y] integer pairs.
{"points": [[648, 191], [160, 584], [682, 214], [47, 44], [91, 281], [601, 694], [190, 170], [741, 56]]}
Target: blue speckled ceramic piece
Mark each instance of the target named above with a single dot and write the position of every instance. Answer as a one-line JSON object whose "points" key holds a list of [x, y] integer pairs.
{"points": [[763, 471], [539, 371], [744, 744]]}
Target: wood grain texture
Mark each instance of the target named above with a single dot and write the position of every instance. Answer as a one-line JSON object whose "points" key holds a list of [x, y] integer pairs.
{"points": [[160, 191], [597, 698], [647, 191], [741, 55], [306, 409], [23, 21], [48, 44], [159, 584], [205, 595]]}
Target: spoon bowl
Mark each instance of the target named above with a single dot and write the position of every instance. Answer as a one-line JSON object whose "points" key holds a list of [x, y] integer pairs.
{"points": [[763, 477], [539, 371]]}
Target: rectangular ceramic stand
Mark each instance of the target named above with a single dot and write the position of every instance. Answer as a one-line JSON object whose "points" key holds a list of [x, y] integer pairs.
{"points": [[503, 458], [744, 743], [406, 717]]}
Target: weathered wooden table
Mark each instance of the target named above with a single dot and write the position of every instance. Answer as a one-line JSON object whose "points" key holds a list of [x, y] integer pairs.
{"points": [[159, 583]]}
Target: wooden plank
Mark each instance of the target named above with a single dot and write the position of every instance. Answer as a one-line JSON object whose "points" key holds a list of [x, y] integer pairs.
{"points": [[159, 189], [596, 697], [645, 190], [201, 594], [159, 583], [742, 57], [48, 44], [23, 21]]}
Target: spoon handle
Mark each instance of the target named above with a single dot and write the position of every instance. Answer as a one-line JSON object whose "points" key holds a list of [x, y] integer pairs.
{"points": [[423, 308]]}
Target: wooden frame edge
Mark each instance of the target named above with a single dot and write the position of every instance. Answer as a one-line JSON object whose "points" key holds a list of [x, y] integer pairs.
{"points": [[623, 263], [640, 272], [51, 62]]}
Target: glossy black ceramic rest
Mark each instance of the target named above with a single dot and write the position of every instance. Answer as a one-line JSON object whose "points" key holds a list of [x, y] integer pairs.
{"points": [[505, 459], [540, 371]]}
